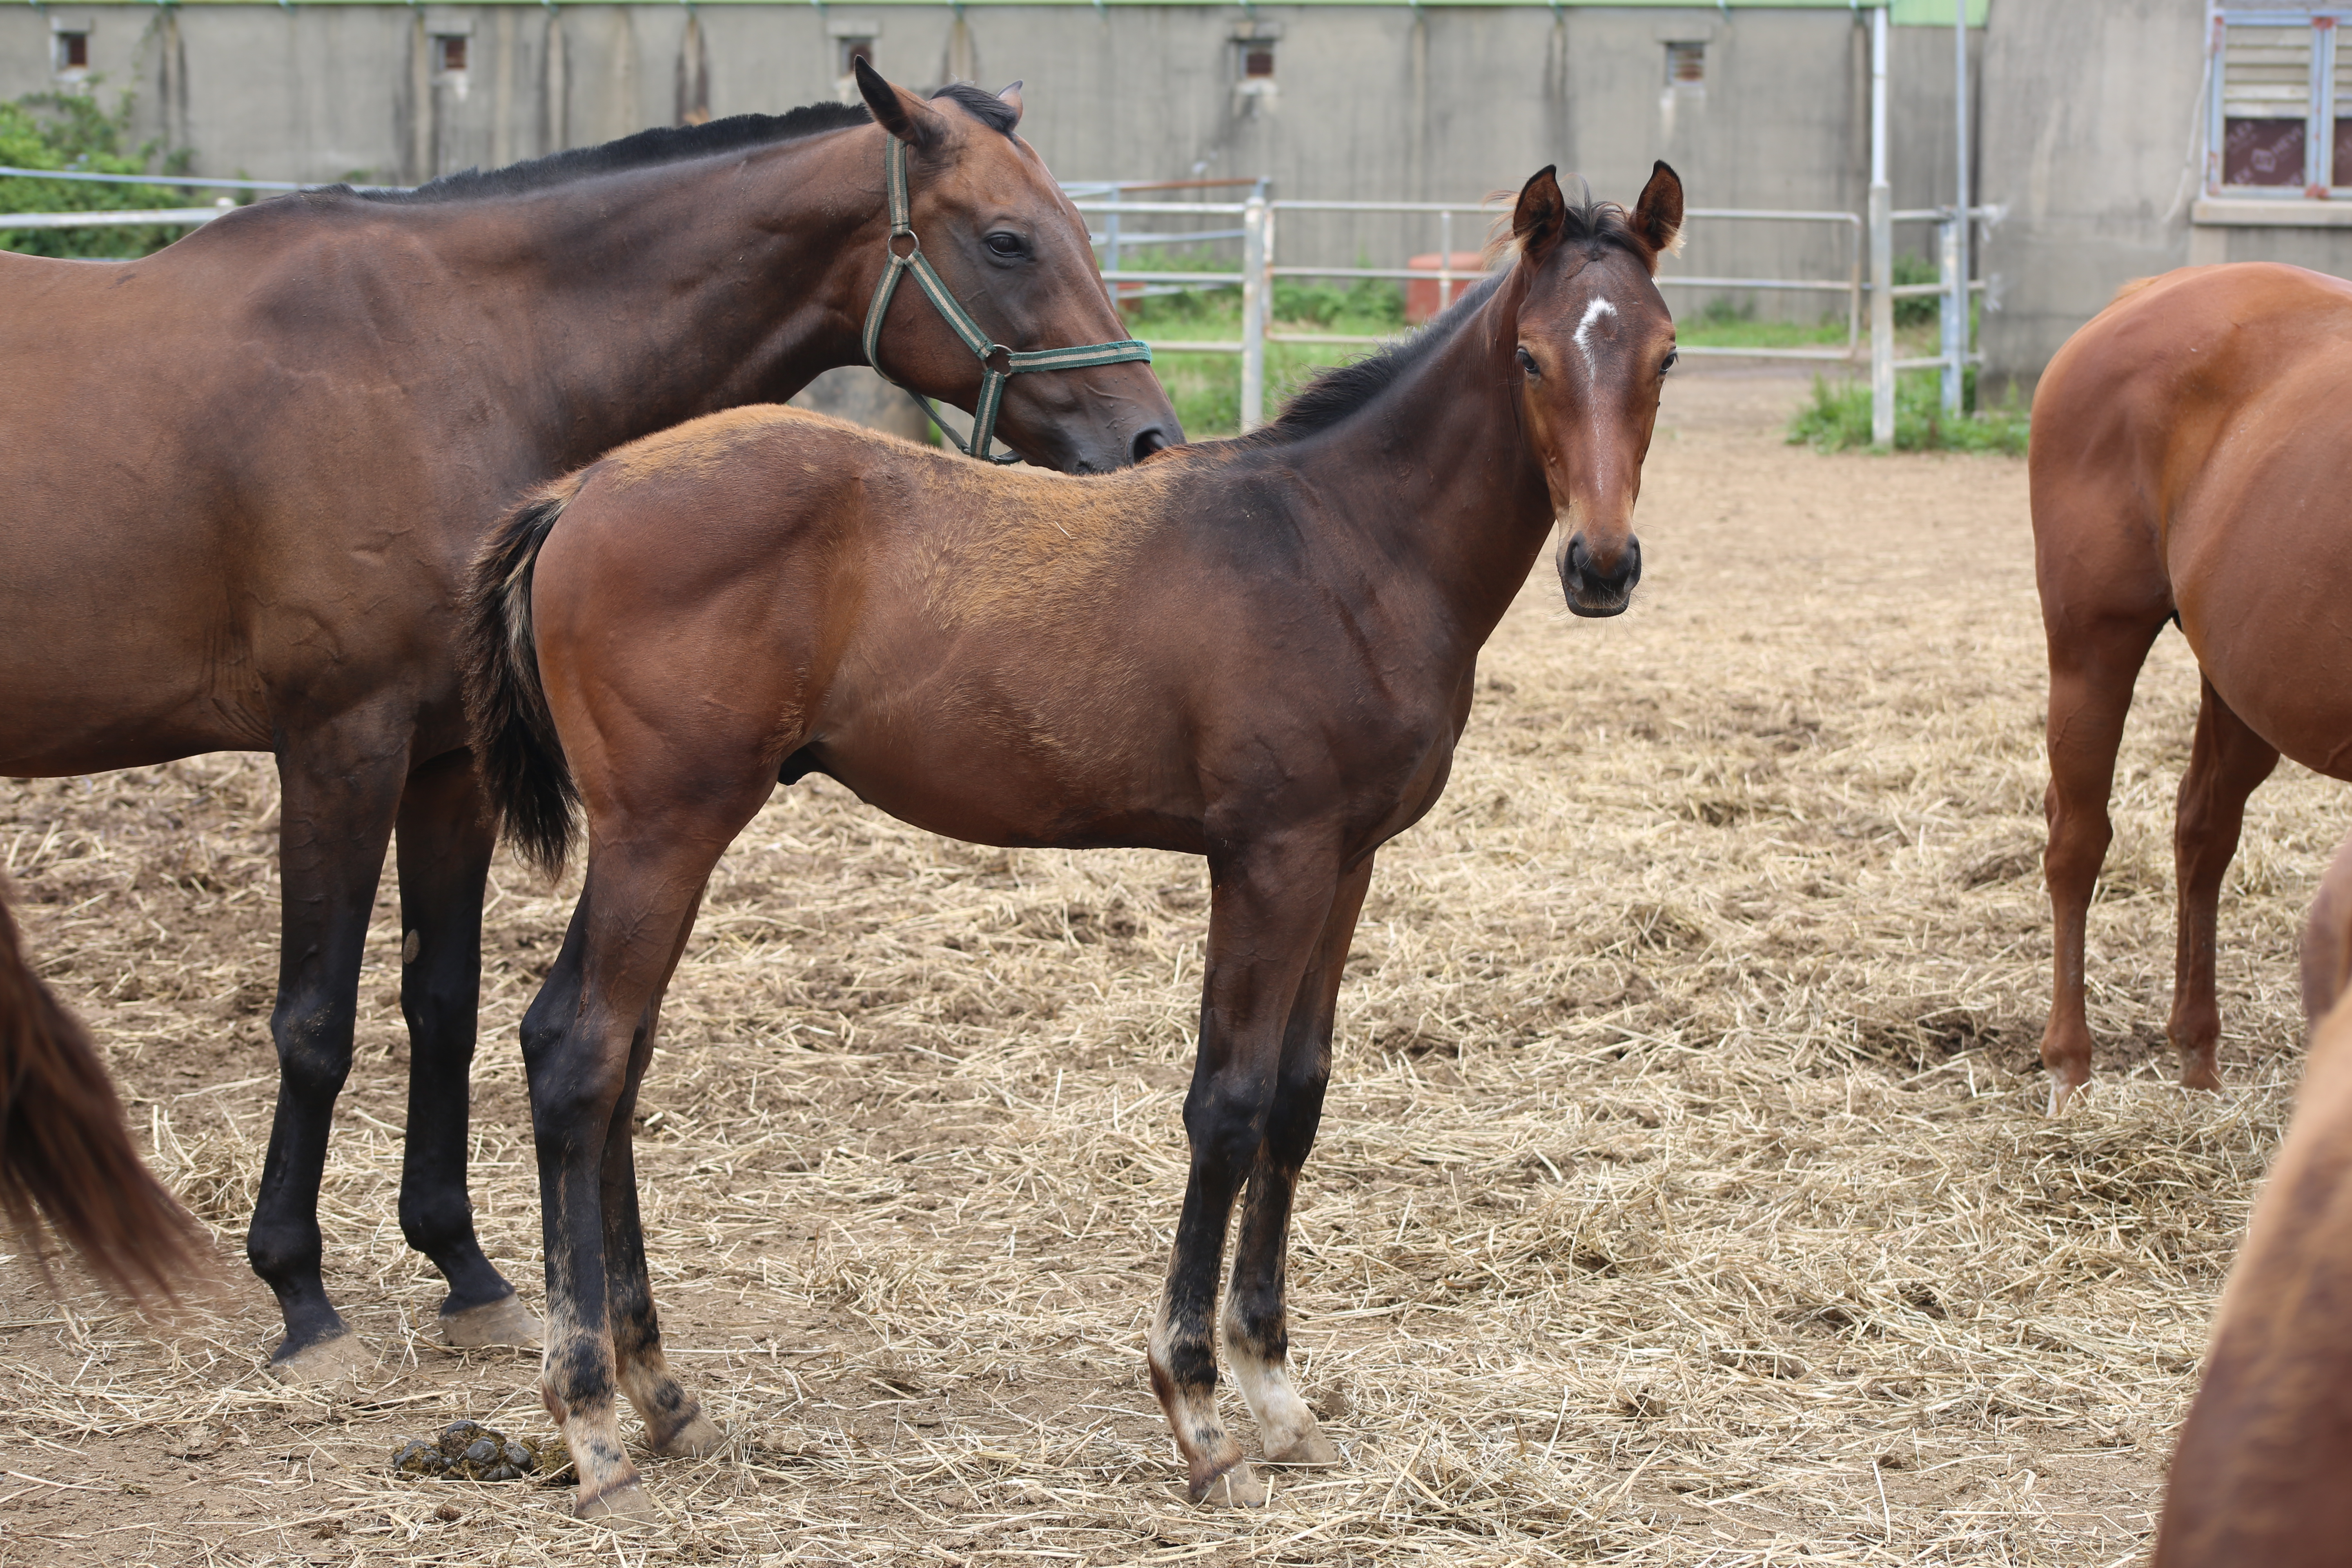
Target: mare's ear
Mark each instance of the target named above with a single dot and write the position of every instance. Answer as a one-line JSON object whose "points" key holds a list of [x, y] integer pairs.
{"points": [[899, 111], [1011, 95], [1657, 217], [1535, 221]]}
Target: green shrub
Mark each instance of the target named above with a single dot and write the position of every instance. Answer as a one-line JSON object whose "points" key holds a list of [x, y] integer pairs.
{"points": [[70, 130], [1838, 418], [1910, 267]]}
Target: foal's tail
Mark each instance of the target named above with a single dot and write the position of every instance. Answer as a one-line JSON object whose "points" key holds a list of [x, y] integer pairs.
{"points": [[515, 743], [65, 1154]]}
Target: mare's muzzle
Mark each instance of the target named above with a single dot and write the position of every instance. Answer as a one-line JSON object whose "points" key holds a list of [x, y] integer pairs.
{"points": [[1595, 590]]}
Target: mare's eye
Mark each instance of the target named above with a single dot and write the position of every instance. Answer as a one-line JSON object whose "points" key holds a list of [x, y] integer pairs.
{"points": [[1007, 245], [1527, 362], [1671, 355]]}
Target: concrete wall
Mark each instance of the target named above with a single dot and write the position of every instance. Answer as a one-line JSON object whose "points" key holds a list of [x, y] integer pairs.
{"points": [[1369, 102]]}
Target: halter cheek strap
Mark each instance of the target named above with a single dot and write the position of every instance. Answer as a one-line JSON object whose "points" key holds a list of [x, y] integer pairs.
{"points": [[998, 363]]}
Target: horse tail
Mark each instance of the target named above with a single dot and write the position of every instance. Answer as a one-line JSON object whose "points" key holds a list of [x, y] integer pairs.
{"points": [[515, 744], [66, 1156]]}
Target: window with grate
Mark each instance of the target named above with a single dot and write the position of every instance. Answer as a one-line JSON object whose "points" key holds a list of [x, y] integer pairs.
{"points": [[1685, 65], [1258, 59], [72, 53], [449, 53], [2281, 114]]}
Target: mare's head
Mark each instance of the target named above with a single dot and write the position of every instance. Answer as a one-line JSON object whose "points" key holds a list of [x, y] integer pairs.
{"points": [[1015, 252], [1595, 344]]}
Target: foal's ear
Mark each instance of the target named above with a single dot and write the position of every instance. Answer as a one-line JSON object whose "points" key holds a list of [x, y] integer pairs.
{"points": [[899, 111], [1657, 217], [1011, 95], [1535, 221]]}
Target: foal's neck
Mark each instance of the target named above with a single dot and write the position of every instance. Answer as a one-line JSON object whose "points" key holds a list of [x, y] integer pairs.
{"points": [[659, 294], [1437, 471]]}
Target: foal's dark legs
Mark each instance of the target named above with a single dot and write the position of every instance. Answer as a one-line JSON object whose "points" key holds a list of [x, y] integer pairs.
{"points": [[340, 789], [445, 840], [587, 1041], [1256, 1325], [2226, 762], [1267, 910]]}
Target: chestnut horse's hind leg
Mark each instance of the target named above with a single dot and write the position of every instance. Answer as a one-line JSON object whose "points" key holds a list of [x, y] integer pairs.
{"points": [[2092, 664], [1256, 1323], [444, 838], [2226, 762], [340, 788], [1267, 911]]}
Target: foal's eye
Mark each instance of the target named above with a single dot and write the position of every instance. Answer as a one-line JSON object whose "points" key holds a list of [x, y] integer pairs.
{"points": [[1007, 245], [1527, 364], [1671, 356]]}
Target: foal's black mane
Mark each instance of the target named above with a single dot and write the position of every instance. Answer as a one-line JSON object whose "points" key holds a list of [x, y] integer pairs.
{"points": [[1342, 390], [676, 143]]}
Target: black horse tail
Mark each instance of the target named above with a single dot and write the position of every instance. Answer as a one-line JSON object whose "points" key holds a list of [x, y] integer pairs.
{"points": [[515, 744], [65, 1156]]}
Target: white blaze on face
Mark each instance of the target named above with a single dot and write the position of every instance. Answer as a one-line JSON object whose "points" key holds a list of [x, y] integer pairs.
{"points": [[1593, 311]]}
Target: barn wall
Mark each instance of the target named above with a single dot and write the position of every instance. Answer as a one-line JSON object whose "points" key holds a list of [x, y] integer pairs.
{"points": [[1382, 101]]}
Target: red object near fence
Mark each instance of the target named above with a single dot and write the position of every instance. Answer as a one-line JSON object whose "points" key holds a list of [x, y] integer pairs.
{"points": [[1422, 295]]}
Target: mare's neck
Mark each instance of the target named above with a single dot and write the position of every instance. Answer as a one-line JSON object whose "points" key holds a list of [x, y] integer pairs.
{"points": [[652, 296], [1436, 476]]}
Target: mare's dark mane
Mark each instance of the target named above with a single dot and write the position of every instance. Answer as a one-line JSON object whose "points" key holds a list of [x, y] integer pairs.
{"points": [[676, 143], [1339, 391]]}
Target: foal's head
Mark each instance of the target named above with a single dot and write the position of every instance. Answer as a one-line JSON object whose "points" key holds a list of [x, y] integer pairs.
{"points": [[1013, 250], [1595, 344]]}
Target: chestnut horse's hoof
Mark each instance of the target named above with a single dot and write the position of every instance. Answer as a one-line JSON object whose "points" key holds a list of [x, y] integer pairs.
{"points": [[505, 1322]]}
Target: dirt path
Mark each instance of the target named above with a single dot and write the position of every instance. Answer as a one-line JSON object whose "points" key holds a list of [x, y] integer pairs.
{"points": [[1682, 1199]]}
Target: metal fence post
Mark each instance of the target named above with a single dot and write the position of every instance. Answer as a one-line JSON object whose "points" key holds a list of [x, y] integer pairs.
{"points": [[1956, 239], [1254, 262], [1882, 247]]}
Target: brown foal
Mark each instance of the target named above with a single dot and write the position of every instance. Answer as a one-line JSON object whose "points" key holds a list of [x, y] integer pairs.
{"points": [[1258, 651], [244, 476], [2257, 1476], [2189, 465]]}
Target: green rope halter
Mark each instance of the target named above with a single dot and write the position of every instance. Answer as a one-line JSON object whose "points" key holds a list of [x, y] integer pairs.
{"points": [[998, 363]]}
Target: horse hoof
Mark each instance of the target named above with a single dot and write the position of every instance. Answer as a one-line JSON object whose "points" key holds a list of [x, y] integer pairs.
{"points": [[621, 1507], [1307, 1448], [1240, 1486], [338, 1363], [505, 1322], [2062, 1096], [699, 1438]]}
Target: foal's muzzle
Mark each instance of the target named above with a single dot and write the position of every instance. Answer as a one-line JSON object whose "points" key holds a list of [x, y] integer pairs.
{"points": [[1594, 591]]}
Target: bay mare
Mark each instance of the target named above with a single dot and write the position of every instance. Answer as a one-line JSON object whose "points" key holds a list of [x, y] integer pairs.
{"points": [[2188, 464], [244, 476], [1259, 651]]}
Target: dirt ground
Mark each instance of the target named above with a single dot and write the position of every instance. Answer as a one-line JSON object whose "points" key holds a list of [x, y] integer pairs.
{"points": [[1683, 1196]]}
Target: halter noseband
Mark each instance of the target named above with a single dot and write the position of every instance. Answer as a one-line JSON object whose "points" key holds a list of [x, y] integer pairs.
{"points": [[998, 363]]}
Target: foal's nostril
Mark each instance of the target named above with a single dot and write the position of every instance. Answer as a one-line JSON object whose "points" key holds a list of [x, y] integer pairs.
{"points": [[1150, 439]]}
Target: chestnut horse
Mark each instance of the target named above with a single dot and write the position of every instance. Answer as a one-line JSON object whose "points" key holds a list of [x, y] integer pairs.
{"points": [[2257, 1476], [2188, 464], [1260, 651], [244, 476]]}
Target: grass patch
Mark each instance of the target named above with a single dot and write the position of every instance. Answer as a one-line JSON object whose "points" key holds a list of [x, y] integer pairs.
{"points": [[1724, 324], [1838, 418], [70, 130]]}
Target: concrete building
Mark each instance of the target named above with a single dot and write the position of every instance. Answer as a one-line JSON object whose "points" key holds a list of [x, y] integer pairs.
{"points": [[2091, 116]]}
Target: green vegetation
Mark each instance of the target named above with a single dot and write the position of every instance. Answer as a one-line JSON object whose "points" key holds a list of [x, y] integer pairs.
{"points": [[1922, 309], [1838, 418], [70, 130], [1725, 325]]}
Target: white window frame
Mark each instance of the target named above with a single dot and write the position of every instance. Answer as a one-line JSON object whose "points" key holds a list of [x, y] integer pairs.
{"points": [[2320, 181]]}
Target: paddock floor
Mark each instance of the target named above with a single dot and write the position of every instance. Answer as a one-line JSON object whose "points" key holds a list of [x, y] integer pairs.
{"points": [[1683, 1196]]}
